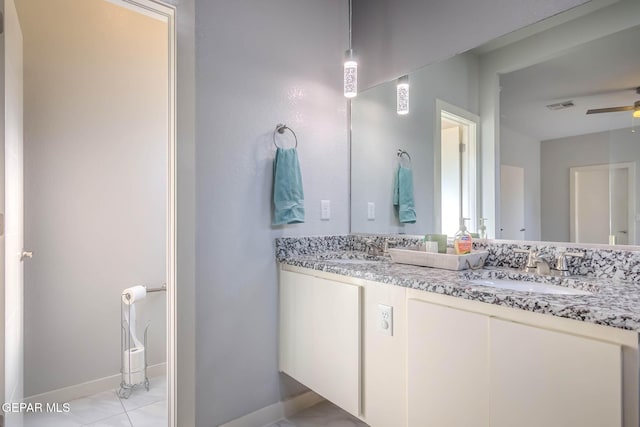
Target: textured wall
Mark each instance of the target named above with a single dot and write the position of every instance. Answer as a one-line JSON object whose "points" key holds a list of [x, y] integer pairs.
{"points": [[392, 38], [95, 183], [258, 64]]}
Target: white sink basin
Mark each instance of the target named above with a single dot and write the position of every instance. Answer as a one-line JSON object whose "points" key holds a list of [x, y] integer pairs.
{"points": [[523, 286]]}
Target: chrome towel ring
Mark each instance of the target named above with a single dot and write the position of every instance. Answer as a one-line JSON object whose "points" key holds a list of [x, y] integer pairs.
{"points": [[401, 153], [280, 128]]}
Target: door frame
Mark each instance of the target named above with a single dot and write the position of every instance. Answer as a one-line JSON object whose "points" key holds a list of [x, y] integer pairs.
{"points": [[631, 188], [468, 119], [167, 13]]}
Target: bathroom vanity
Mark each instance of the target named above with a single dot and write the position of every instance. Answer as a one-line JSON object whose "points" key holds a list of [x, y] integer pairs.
{"points": [[400, 345]]}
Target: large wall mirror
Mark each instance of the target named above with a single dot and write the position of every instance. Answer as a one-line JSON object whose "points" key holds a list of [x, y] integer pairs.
{"points": [[501, 135]]}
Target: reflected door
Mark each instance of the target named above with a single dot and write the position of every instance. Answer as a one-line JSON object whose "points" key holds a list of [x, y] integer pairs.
{"points": [[512, 203], [602, 200]]}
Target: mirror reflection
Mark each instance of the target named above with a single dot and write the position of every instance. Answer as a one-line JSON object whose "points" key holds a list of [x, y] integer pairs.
{"points": [[566, 175], [501, 132]]}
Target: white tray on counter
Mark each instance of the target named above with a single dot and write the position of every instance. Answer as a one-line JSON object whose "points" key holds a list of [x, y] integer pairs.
{"points": [[448, 261]]}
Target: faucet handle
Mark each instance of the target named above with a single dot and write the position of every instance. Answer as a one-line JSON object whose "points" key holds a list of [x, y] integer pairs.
{"points": [[389, 243], [561, 261], [531, 258]]}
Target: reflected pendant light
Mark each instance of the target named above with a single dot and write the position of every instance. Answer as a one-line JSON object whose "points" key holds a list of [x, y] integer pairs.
{"points": [[350, 66], [402, 95]]}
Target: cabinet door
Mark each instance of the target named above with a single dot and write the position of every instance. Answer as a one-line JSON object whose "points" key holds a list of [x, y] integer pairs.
{"points": [[448, 367], [552, 379], [320, 337]]}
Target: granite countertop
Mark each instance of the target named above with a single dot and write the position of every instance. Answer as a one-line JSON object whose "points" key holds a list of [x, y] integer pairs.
{"points": [[613, 302]]}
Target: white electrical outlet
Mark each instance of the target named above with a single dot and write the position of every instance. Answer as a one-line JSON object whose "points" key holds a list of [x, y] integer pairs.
{"points": [[385, 319], [325, 209], [371, 211]]}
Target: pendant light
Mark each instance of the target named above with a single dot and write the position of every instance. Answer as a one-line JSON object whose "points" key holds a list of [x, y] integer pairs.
{"points": [[350, 65], [402, 95]]}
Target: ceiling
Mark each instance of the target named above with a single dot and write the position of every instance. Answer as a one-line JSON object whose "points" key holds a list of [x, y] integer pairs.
{"points": [[598, 74]]}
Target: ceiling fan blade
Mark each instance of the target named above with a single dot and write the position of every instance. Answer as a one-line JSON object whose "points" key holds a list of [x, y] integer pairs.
{"points": [[610, 110]]}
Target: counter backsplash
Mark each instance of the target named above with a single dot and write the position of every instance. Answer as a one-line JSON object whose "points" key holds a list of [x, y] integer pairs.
{"points": [[602, 262]]}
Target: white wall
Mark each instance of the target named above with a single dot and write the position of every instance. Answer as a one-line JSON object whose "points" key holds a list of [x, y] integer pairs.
{"points": [[558, 155], [378, 131], [517, 149], [95, 183], [392, 38], [259, 64]]}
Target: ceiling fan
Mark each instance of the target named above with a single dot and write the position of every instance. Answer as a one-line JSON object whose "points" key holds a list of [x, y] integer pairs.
{"points": [[635, 108]]}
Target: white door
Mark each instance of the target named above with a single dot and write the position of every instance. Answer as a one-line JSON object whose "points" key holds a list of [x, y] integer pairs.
{"points": [[602, 204], [619, 205], [512, 203], [13, 279]]}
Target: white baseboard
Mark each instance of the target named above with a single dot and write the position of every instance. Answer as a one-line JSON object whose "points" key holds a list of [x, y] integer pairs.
{"points": [[77, 391], [277, 411]]}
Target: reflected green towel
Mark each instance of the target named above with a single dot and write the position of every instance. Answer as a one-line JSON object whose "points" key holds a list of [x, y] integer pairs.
{"points": [[288, 197], [403, 195]]}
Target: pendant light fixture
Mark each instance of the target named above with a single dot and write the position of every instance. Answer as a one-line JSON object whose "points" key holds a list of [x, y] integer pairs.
{"points": [[350, 65], [402, 95]]}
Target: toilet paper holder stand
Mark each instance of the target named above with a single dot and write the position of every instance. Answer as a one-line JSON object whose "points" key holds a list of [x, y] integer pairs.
{"points": [[132, 376]]}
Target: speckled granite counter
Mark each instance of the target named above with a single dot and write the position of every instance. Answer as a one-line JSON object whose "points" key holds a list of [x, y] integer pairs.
{"points": [[614, 302]]}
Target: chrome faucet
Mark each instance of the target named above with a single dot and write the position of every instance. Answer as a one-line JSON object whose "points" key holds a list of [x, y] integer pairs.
{"points": [[373, 248], [539, 264]]}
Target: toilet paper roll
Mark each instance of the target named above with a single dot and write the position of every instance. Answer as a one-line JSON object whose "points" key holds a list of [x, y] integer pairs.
{"points": [[133, 294], [133, 365], [130, 319]]}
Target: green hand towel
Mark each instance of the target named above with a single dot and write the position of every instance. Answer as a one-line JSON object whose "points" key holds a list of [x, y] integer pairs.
{"points": [[288, 196], [403, 195]]}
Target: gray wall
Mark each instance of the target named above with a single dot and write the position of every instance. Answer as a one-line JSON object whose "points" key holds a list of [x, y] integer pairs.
{"points": [[378, 131], [259, 64], [95, 183], [517, 149], [558, 155], [392, 38]]}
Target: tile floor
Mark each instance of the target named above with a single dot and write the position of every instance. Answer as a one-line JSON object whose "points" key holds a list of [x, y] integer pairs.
{"points": [[324, 414], [106, 409]]}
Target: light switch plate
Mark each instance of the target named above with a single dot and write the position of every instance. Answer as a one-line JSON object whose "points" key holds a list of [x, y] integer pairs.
{"points": [[325, 209], [371, 211], [385, 319]]}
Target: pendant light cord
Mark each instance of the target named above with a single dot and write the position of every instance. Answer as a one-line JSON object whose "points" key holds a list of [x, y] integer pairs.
{"points": [[350, 21]]}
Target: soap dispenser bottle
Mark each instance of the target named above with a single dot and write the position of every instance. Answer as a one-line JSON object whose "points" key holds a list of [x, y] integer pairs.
{"points": [[483, 228], [462, 240]]}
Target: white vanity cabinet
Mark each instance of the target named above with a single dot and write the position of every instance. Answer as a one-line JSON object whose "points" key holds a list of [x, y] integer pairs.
{"points": [[332, 341], [448, 366], [476, 368], [450, 361], [320, 335], [547, 378]]}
